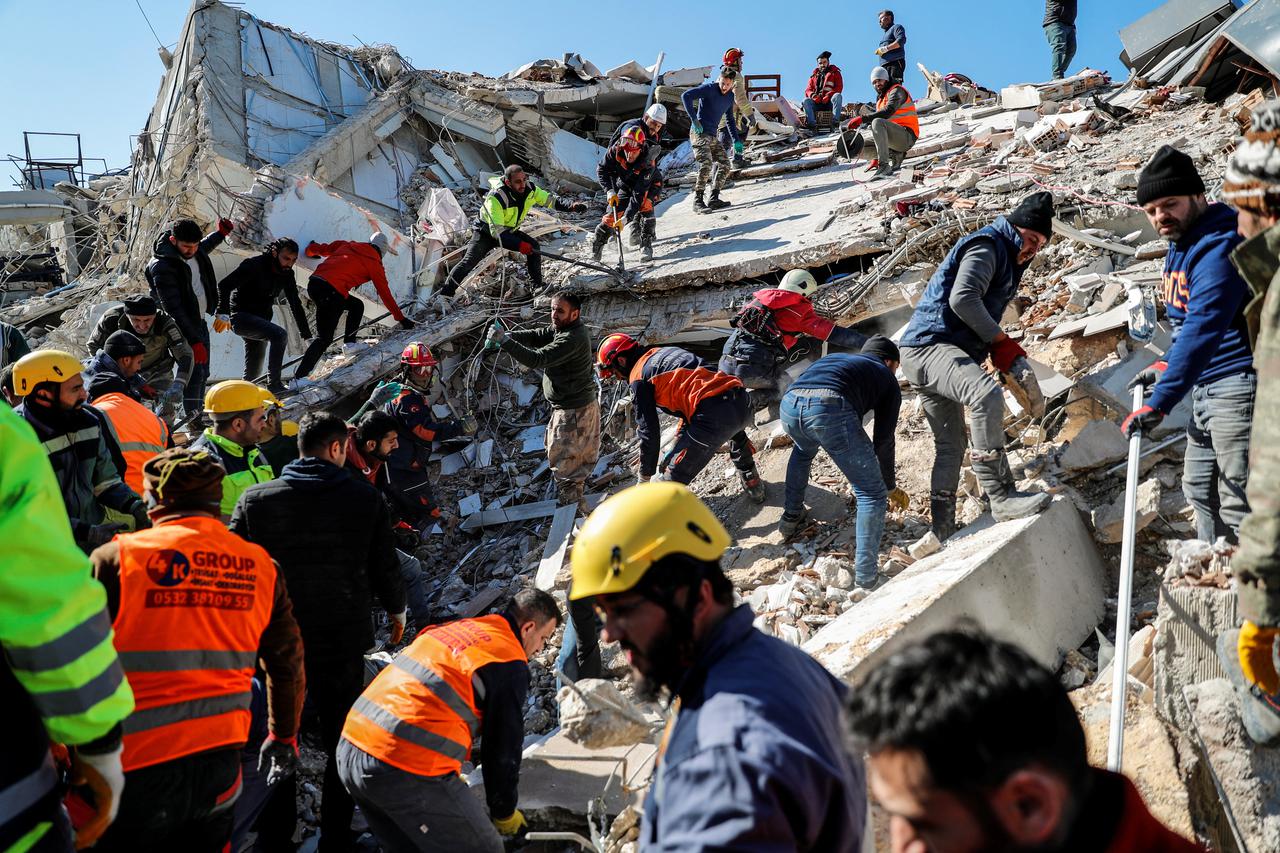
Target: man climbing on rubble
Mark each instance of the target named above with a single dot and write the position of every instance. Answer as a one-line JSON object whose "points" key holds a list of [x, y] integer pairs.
{"points": [[137, 432], [767, 330], [237, 409], [894, 124], [190, 655], [824, 410], [346, 266], [183, 284], [52, 388], [1211, 357], [562, 350], [61, 683], [955, 327], [973, 746], [652, 123], [627, 178], [742, 116], [503, 211], [1060, 32], [246, 300], [712, 407], [707, 105], [331, 535], [407, 735], [165, 348], [753, 758], [893, 46], [823, 92]]}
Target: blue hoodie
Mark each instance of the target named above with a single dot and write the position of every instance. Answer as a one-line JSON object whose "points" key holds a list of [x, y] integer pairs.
{"points": [[712, 104], [1203, 297]]}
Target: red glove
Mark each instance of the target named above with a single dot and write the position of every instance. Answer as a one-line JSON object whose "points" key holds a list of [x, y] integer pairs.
{"points": [[1144, 419], [854, 123], [1004, 351], [149, 391], [525, 247], [311, 252], [201, 353], [225, 226]]}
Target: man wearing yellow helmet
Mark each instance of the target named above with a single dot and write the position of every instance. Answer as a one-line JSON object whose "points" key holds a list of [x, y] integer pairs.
{"points": [[753, 758], [238, 411]]}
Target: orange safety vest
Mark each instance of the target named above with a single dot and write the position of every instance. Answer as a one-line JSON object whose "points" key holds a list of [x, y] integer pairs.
{"points": [[140, 434], [194, 601], [419, 714], [906, 114]]}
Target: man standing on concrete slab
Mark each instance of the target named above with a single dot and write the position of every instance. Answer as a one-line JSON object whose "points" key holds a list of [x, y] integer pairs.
{"points": [[407, 735], [754, 760], [743, 115], [974, 746], [562, 350], [707, 105], [894, 123], [1211, 357], [1060, 31], [893, 46], [955, 327], [165, 345], [502, 212], [824, 410], [712, 407], [823, 93], [627, 178], [769, 327]]}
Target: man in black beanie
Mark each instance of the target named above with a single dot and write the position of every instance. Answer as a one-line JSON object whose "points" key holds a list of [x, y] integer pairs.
{"points": [[955, 327], [1211, 357], [166, 348], [114, 368]]}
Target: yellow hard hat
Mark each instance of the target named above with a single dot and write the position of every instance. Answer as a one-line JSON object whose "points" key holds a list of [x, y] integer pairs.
{"points": [[289, 428], [234, 395], [46, 365], [269, 399], [636, 528]]}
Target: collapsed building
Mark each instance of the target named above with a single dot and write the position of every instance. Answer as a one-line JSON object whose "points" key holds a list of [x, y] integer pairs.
{"points": [[290, 136]]}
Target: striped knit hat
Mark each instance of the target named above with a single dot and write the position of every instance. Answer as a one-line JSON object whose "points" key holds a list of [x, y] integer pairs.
{"points": [[1253, 172]]}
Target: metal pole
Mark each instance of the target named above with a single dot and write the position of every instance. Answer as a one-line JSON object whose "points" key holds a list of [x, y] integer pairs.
{"points": [[1124, 604], [657, 72]]}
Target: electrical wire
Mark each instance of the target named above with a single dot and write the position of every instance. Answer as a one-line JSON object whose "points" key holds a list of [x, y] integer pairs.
{"points": [[138, 3]]}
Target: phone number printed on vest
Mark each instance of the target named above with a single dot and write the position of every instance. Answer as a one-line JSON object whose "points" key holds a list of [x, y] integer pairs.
{"points": [[205, 579]]}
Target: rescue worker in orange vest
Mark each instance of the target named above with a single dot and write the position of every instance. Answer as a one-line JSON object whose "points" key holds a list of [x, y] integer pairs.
{"points": [[713, 408], [407, 735], [137, 432], [195, 609], [894, 124]]}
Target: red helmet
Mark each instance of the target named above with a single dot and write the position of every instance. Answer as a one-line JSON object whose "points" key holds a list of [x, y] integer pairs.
{"points": [[610, 348], [633, 138], [732, 56], [417, 354]]}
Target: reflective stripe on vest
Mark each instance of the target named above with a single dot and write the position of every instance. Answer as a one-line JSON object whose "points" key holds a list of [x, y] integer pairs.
{"points": [[138, 432], [24, 793], [420, 714], [194, 601], [906, 115]]}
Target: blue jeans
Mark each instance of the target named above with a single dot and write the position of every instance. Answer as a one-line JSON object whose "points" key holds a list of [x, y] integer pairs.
{"points": [[1216, 467], [811, 111], [259, 334], [415, 590], [580, 648], [824, 420]]}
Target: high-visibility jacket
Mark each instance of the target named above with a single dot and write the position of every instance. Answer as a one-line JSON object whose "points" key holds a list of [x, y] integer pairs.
{"points": [[906, 115], [419, 714], [244, 468], [503, 208], [194, 601], [137, 431]]}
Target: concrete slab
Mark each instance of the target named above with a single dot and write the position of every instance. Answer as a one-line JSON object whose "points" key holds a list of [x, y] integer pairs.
{"points": [[559, 777], [1037, 581]]}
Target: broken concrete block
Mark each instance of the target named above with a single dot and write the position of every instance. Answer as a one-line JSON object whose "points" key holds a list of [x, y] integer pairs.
{"points": [[533, 439], [596, 715], [469, 505], [1108, 522], [1188, 622], [1099, 443], [1019, 97], [925, 546]]}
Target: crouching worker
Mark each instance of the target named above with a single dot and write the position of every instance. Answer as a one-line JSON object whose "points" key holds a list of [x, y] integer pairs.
{"points": [[407, 735]]}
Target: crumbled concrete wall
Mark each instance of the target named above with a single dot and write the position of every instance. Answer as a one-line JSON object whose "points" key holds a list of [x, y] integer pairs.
{"points": [[1188, 622]]}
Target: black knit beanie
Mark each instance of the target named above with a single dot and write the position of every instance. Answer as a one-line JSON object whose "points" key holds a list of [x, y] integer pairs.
{"points": [[1034, 213], [121, 344], [139, 305], [882, 348], [1168, 173]]}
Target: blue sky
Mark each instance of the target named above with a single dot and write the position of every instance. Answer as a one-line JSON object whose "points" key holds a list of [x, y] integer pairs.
{"points": [[90, 66]]}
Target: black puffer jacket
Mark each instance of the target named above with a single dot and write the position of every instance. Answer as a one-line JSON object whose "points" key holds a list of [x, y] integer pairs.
{"points": [[331, 535], [254, 286], [169, 275]]}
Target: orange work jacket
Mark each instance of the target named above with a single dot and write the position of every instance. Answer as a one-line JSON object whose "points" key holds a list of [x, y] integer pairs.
{"points": [[906, 114], [137, 430]]}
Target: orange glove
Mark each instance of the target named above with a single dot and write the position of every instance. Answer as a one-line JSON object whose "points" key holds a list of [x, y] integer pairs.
{"points": [[310, 251], [1256, 648]]}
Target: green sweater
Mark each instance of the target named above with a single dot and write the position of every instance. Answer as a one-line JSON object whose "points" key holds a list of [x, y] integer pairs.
{"points": [[565, 358]]}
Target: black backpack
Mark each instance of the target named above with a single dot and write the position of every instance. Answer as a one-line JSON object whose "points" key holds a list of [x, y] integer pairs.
{"points": [[758, 321]]}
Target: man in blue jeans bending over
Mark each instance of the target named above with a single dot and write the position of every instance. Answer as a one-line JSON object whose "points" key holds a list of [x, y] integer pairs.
{"points": [[1211, 357], [824, 410]]}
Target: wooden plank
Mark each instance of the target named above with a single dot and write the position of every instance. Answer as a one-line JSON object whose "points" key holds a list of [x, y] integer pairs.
{"points": [[480, 603], [524, 512], [557, 544]]}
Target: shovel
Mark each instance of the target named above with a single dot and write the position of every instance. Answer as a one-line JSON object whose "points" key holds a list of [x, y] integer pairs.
{"points": [[1120, 662], [618, 274]]}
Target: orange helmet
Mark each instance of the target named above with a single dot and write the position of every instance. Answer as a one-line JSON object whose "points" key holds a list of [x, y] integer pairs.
{"points": [[610, 348], [417, 354], [633, 138], [732, 56]]}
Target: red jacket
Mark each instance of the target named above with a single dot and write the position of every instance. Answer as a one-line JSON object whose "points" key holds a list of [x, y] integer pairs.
{"points": [[1140, 832], [832, 85], [348, 265], [794, 315]]}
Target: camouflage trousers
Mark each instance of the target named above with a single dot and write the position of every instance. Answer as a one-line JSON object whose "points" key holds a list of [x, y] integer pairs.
{"points": [[573, 448], [708, 151]]}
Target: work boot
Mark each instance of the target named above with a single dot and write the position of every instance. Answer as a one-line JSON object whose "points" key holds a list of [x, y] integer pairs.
{"points": [[793, 523], [699, 206], [942, 514], [1007, 503], [646, 227], [597, 242], [634, 236], [568, 493], [715, 202], [739, 162], [275, 386], [752, 485], [896, 159]]}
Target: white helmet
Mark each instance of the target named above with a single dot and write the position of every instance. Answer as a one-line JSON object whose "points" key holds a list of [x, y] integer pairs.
{"points": [[656, 112], [879, 73], [380, 240], [799, 281]]}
